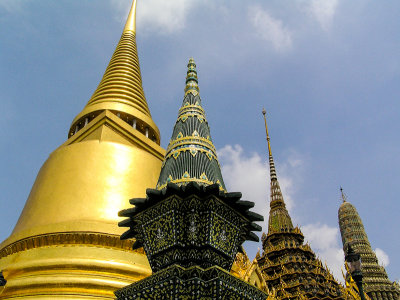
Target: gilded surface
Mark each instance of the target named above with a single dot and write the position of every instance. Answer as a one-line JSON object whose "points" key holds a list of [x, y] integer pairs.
{"points": [[120, 90], [65, 244]]}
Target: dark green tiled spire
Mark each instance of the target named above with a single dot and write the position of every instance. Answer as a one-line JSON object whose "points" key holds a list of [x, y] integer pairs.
{"points": [[191, 155]]}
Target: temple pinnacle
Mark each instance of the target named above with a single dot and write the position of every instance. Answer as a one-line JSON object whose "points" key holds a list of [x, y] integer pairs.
{"points": [[191, 155], [191, 79], [279, 217], [342, 194], [271, 159], [120, 91], [131, 21]]}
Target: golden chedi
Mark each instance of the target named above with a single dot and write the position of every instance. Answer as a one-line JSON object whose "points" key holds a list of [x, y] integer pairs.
{"points": [[66, 243]]}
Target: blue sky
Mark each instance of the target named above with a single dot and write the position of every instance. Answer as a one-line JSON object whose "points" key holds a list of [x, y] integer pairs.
{"points": [[327, 72]]}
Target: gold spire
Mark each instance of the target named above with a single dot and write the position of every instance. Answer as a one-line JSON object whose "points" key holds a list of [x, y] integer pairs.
{"points": [[108, 158], [271, 160], [279, 217], [131, 21], [344, 198], [120, 90], [264, 112]]}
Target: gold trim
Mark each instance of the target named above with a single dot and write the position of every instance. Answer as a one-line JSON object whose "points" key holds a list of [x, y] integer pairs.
{"points": [[72, 239]]}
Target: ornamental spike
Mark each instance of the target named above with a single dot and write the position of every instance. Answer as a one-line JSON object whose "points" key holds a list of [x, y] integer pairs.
{"points": [[131, 21], [271, 159], [191, 79], [279, 216], [343, 195]]}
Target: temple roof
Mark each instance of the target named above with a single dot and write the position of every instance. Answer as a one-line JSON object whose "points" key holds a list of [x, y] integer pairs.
{"points": [[191, 155]]}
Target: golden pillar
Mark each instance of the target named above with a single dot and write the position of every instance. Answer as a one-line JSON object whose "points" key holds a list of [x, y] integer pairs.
{"points": [[66, 243]]}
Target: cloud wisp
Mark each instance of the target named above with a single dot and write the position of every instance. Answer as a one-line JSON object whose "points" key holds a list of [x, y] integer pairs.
{"points": [[12, 6], [158, 16], [249, 174], [324, 241], [383, 258], [323, 11], [270, 29]]}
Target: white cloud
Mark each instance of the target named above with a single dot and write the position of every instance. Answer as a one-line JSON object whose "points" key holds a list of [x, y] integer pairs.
{"points": [[383, 258], [158, 16], [246, 174], [324, 240], [323, 11], [270, 29], [249, 174], [11, 6]]}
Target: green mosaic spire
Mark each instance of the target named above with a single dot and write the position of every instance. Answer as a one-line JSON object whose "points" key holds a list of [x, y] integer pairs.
{"points": [[191, 155]]}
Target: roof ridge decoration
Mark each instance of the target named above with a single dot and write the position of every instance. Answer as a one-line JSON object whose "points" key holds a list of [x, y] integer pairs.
{"points": [[191, 155]]}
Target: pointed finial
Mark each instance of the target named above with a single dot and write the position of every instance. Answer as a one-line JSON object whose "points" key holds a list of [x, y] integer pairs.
{"points": [[191, 79], [271, 160], [131, 21], [264, 112], [344, 198]]}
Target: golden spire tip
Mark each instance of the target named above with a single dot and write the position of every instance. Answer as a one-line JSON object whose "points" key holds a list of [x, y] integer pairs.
{"points": [[344, 198], [131, 21], [264, 112]]}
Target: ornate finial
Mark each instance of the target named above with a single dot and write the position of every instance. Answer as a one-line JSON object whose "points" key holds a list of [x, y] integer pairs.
{"points": [[191, 78], [279, 218], [344, 198], [131, 21], [271, 160], [264, 112]]}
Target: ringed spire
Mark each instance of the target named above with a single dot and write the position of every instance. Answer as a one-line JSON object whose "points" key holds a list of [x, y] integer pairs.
{"points": [[120, 90], [288, 265], [279, 216]]}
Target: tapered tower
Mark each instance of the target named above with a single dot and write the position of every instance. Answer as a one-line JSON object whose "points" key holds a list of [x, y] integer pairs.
{"points": [[290, 266], [66, 243], [375, 279], [191, 155], [191, 229]]}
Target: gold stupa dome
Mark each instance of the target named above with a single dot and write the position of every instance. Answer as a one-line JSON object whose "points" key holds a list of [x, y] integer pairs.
{"points": [[66, 243]]}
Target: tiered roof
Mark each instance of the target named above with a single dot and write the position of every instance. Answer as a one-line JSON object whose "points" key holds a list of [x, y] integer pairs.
{"points": [[289, 266]]}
